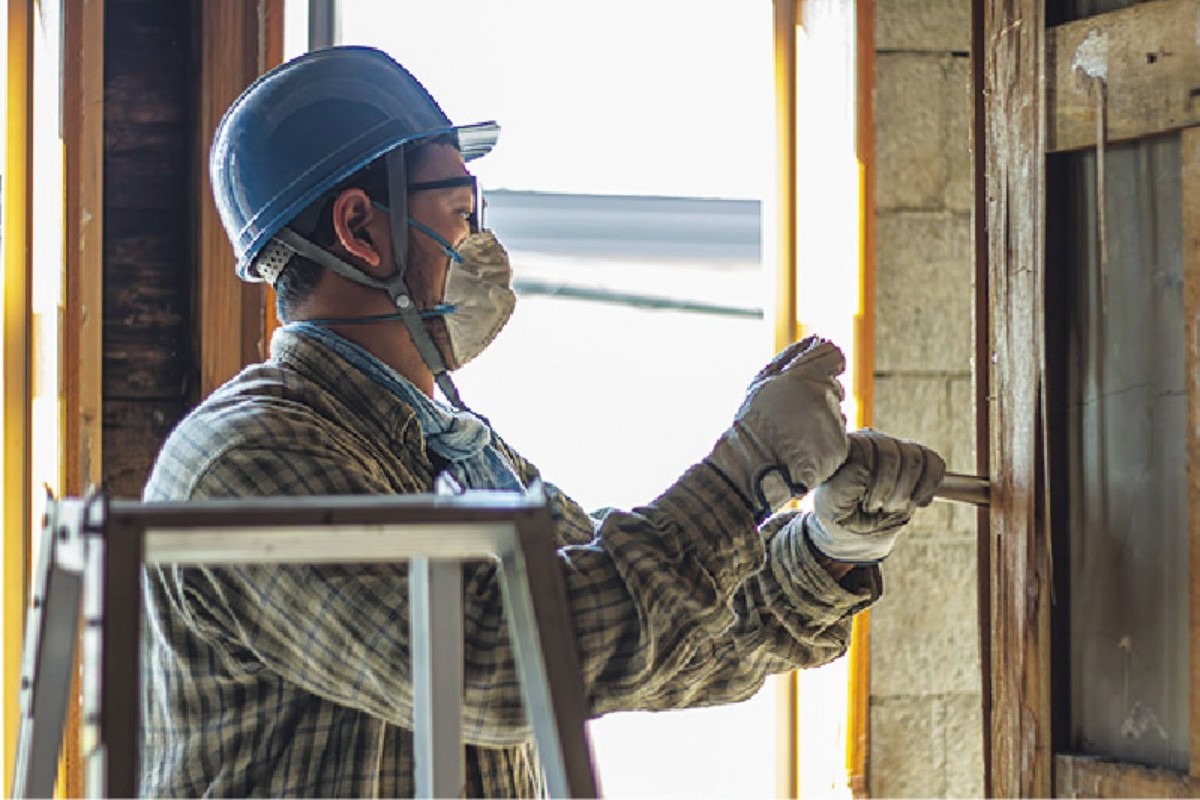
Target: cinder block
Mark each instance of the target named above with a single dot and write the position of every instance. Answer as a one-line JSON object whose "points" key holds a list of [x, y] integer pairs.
{"points": [[924, 299], [934, 25], [963, 730], [918, 407], [908, 752], [964, 518], [910, 162], [956, 87], [925, 628], [915, 407]]}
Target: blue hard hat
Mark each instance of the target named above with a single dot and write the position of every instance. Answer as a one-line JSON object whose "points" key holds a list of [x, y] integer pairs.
{"points": [[306, 125]]}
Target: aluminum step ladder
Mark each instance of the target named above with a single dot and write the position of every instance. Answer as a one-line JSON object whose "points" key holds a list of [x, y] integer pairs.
{"points": [[93, 552]]}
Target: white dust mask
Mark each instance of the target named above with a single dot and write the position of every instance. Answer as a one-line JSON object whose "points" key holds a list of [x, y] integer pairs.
{"points": [[479, 299]]}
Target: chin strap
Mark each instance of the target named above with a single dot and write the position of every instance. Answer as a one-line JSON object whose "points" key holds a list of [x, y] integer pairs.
{"points": [[395, 285]]}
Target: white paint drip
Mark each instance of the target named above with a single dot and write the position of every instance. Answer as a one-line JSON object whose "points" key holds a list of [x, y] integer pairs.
{"points": [[1141, 720], [1091, 57]]}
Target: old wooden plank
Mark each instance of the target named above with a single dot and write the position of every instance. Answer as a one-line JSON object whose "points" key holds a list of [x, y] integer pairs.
{"points": [[83, 277], [136, 430], [147, 181], [83, 124], [232, 314], [981, 328], [1190, 158], [1013, 43], [1081, 776], [1149, 59], [146, 362]]}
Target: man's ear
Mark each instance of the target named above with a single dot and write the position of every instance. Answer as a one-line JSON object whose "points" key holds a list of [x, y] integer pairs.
{"points": [[352, 218]]}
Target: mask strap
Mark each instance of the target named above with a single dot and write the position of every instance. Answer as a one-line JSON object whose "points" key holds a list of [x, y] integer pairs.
{"points": [[396, 286], [439, 310], [450, 252]]}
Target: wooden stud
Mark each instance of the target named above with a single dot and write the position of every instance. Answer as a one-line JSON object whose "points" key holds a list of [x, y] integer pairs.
{"points": [[981, 373], [1013, 81], [1080, 776], [83, 319], [231, 321], [1151, 66]]}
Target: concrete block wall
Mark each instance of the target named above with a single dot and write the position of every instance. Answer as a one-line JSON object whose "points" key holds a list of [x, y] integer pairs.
{"points": [[926, 723]]}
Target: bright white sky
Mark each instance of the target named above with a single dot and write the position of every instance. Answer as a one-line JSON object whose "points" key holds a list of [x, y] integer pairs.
{"points": [[668, 97]]}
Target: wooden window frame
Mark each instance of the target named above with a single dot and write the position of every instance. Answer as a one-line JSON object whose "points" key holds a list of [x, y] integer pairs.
{"points": [[1029, 103], [17, 357]]}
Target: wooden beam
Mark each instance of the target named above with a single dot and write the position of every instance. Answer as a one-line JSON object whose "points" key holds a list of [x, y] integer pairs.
{"points": [[231, 320], [83, 145], [1190, 158], [1082, 776], [1013, 45], [83, 318], [981, 373], [1150, 62]]}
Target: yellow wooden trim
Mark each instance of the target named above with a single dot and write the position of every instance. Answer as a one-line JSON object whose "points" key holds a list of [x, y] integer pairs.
{"points": [[786, 328], [16, 361], [858, 701], [787, 17]]}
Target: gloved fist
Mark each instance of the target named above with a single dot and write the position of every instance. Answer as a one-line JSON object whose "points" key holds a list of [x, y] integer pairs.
{"points": [[789, 434], [861, 509]]}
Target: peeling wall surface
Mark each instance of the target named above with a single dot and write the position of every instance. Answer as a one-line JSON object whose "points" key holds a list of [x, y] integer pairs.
{"points": [[926, 722]]}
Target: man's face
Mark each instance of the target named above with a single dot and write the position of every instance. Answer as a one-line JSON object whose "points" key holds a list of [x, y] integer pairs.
{"points": [[446, 210]]}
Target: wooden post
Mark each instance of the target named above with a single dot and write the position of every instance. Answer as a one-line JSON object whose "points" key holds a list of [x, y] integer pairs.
{"points": [[238, 42], [981, 374], [1013, 80], [83, 319]]}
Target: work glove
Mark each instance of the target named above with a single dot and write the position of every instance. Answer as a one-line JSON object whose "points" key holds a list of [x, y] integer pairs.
{"points": [[860, 510], [789, 434]]}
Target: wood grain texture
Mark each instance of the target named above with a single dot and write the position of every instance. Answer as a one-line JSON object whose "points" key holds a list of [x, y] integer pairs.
{"points": [[83, 277], [231, 315], [981, 330], [83, 134], [1013, 41], [1190, 158], [128, 425], [148, 369], [1151, 56], [1080, 776]]}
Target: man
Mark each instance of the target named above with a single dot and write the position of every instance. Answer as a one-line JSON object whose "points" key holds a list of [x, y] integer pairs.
{"points": [[341, 182]]}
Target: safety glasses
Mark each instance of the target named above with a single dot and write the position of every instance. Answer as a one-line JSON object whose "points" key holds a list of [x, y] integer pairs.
{"points": [[476, 218]]}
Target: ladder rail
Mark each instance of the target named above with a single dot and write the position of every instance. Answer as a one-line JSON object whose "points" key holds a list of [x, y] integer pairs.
{"points": [[434, 533]]}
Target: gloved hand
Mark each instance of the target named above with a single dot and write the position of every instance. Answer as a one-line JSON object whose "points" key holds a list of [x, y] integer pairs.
{"points": [[789, 434], [860, 510]]}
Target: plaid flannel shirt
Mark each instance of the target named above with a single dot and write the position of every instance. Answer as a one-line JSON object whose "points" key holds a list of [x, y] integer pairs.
{"points": [[283, 680]]}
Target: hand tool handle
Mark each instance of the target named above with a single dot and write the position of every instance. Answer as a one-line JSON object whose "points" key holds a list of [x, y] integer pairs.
{"points": [[960, 488]]}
